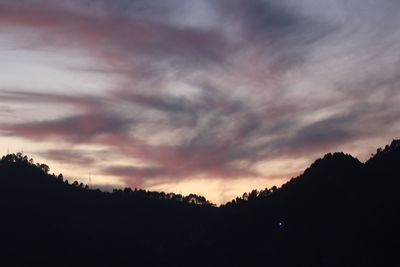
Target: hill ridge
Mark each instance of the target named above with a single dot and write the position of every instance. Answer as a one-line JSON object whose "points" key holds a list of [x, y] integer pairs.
{"points": [[339, 212]]}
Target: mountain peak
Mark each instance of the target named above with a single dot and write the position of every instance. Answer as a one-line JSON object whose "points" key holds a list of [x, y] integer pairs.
{"points": [[390, 150], [333, 163]]}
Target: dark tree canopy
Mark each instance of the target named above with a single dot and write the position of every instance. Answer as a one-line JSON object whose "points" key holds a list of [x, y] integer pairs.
{"points": [[339, 212]]}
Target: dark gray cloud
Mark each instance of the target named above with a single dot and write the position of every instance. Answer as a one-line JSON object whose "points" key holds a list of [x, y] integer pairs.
{"points": [[81, 128], [282, 35], [74, 157], [270, 21]]}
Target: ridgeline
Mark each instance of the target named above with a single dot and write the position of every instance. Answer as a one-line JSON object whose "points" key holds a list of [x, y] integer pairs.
{"points": [[339, 212]]}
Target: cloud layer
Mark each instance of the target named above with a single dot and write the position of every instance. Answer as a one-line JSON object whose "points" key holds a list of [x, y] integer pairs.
{"points": [[204, 89]]}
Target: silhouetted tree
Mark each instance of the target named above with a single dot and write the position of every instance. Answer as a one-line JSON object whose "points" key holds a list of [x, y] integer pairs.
{"points": [[339, 212]]}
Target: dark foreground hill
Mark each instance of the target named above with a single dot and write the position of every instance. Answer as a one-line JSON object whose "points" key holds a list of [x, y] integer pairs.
{"points": [[339, 212]]}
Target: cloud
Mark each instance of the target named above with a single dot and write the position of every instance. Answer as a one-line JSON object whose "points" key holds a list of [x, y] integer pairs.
{"points": [[134, 45], [278, 35], [209, 88], [75, 157], [76, 128], [201, 152], [93, 121], [227, 138], [5, 109], [132, 172]]}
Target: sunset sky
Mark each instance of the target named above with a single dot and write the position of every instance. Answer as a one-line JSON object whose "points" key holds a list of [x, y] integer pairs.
{"points": [[214, 97]]}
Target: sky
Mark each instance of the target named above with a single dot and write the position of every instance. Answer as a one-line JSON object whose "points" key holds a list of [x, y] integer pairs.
{"points": [[213, 97]]}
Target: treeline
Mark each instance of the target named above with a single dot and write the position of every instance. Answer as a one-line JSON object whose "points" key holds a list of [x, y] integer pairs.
{"points": [[29, 167], [141, 193], [339, 212], [388, 155], [317, 169]]}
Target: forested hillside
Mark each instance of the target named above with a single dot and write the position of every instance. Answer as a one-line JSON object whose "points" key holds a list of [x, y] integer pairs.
{"points": [[339, 212]]}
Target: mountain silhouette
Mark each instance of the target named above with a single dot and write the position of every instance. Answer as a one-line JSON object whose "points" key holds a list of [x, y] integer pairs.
{"points": [[339, 212]]}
